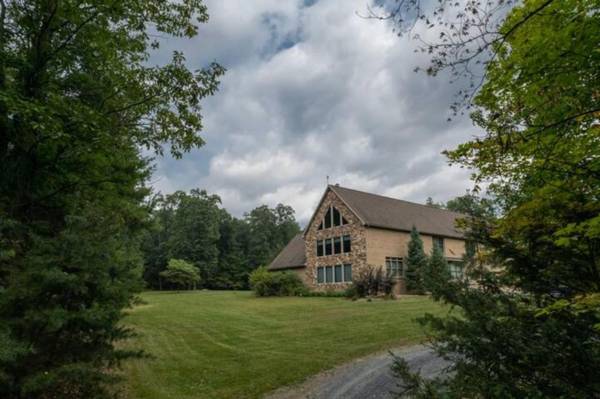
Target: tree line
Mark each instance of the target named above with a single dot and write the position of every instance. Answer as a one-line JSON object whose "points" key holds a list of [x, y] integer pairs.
{"points": [[195, 228]]}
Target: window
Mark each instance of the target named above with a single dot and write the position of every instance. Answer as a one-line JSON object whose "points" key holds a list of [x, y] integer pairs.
{"points": [[320, 275], [328, 246], [328, 274], [334, 274], [337, 218], [332, 218], [348, 272], [337, 245], [338, 273], [439, 242], [456, 270], [393, 266], [347, 244], [319, 247]]}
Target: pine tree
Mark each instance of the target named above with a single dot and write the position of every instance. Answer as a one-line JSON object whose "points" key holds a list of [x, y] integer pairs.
{"points": [[435, 273], [415, 263]]}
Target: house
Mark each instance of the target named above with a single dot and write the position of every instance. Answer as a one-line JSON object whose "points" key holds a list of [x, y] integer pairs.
{"points": [[351, 229]]}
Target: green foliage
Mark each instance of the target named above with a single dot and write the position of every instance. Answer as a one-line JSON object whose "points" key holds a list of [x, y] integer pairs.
{"points": [[416, 261], [225, 249], [436, 273], [472, 205], [78, 103], [270, 229], [530, 328], [371, 281], [181, 274], [286, 283]]}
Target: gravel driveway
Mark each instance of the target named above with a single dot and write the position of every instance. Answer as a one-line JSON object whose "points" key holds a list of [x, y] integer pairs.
{"points": [[366, 378]]}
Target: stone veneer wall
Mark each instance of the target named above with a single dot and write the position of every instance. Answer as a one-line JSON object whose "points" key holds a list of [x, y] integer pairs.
{"points": [[357, 256]]}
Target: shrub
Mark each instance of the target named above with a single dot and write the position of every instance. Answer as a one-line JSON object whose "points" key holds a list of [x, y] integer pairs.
{"points": [[371, 281], [181, 274], [266, 283]]}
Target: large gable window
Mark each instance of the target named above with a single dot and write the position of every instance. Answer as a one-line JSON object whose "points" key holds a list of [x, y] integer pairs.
{"points": [[333, 218], [327, 219], [337, 218]]}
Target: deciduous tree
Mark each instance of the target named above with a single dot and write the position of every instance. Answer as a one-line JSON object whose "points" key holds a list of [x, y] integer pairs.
{"points": [[531, 327]]}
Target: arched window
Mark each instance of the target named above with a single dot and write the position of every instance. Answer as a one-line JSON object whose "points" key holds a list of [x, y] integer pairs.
{"points": [[332, 218]]}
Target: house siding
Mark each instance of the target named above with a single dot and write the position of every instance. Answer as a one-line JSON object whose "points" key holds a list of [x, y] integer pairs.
{"points": [[382, 243], [357, 256]]}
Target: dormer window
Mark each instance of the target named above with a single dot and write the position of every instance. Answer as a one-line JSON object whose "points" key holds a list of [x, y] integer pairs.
{"points": [[332, 218]]}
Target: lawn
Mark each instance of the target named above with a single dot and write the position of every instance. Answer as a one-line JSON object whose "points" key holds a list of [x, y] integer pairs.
{"points": [[222, 344]]}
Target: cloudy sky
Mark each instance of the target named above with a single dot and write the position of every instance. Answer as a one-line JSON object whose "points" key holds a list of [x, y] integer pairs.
{"points": [[313, 90]]}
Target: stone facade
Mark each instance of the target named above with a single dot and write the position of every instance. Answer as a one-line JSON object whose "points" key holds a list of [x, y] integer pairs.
{"points": [[357, 256]]}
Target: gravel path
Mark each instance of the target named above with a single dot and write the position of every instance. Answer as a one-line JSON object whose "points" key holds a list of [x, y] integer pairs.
{"points": [[366, 378]]}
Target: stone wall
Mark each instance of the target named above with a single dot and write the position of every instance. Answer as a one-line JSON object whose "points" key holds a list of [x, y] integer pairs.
{"points": [[357, 256]]}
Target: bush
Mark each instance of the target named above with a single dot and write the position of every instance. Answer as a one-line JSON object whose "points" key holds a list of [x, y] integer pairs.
{"points": [[371, 281], [181, 274], [266, 283]]}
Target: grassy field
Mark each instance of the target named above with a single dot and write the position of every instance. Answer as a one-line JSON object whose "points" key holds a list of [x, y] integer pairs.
{"points": [[232, 345]]}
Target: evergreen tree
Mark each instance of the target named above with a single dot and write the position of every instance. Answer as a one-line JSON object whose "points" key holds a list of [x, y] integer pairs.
{"points": [[78, 103], [416, 262], [436, 273]]}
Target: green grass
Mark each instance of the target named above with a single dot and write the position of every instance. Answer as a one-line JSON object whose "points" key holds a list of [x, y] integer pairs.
{"points": [[232, 345]]}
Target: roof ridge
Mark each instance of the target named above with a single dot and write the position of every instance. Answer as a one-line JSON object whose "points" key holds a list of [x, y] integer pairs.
{"points": [[395, 199]]}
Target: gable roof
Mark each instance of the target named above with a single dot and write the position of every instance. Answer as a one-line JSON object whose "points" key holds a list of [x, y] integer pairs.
{"points": [[291, 256], [394, 214]]}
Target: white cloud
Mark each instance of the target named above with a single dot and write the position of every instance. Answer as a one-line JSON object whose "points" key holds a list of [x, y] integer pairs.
{"points": [[310, 92]]}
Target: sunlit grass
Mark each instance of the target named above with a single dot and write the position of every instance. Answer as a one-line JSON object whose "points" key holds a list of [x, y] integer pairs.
{"points": [[209, 344]]}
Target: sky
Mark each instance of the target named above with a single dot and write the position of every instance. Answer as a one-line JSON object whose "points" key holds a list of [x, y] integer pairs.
{"points": [[314, 90]]}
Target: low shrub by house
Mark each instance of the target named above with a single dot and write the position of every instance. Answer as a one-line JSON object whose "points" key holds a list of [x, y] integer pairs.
{"points": [[371, 281], [266, 283]]}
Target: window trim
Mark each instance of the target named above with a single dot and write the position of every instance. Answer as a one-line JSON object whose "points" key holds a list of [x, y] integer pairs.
{"points": [[346, 238], [330, 242], [344, 268], [397, 263], [321, 275], [337, 239]]}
